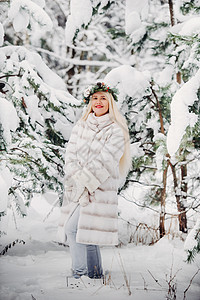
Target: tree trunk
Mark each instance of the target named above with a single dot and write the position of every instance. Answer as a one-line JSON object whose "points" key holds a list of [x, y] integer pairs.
{"points": [[178, 77], [172, 19], [71, 71], [182, 218], [163, 192], [171, 10], [159, 111], [184, 188], [180, 206], [162, 203]]}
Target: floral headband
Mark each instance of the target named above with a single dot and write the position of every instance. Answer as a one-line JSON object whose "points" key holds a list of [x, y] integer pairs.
{"points": [[99, 87]]}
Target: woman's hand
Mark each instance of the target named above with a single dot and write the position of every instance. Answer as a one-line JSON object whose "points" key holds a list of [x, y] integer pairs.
{"points": [[74, 189]]}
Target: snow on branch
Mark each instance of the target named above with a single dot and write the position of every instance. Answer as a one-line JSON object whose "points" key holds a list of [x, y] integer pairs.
{"points": [[21, 12], [79, 62], [80, 13], [192, 242], [35, 60], [5, 182], [1, 34], [189, 27], [11, 123], [27, 67], [129, 81], [180, 116], [136, 11]]}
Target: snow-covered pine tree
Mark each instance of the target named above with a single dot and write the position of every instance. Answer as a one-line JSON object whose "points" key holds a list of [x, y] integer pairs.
{"points": [[160, 46], [185, 37], [36, 118], [192, 243]]}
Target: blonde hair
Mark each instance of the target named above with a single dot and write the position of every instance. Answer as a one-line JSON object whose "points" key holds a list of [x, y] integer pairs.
{"points": [[115, 115]]}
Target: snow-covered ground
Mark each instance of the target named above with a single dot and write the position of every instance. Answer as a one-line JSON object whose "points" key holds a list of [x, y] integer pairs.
{"points": [[38, 268]]}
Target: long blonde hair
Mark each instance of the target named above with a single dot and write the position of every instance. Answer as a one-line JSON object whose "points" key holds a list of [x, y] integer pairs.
{"points": [[115, 115]]}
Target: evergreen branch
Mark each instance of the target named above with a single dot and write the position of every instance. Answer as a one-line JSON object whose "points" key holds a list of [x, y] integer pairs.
{"points": [[148, 143], [188, 40], [159, 110], [149, 98], [149, 167], [22, 181], [48, 158], [11, 75], [149, 152], [60, 244], [31, 159], [9, 246]]}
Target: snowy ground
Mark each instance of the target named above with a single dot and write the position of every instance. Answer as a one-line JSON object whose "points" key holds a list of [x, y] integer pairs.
{"points": [[37, 269]]}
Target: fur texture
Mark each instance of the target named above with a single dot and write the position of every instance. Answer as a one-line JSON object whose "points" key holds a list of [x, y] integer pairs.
{"points": [[92, 160]]}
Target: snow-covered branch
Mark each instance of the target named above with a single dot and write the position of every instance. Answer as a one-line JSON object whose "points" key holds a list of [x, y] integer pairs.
{"points": [[180, 116], [21, 12], [78, 62]]}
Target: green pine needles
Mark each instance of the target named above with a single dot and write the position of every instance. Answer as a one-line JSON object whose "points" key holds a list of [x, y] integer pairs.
{"points": [[196, 249]]}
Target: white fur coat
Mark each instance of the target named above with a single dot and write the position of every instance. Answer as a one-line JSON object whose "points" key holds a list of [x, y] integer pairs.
{"points": [[92, 163]]}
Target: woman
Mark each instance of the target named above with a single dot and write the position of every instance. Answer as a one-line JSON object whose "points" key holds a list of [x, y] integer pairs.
{"points": [[97, 158]]}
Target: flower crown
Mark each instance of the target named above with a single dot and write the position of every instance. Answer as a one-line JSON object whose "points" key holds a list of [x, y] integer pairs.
{"points": [[99, 87]]}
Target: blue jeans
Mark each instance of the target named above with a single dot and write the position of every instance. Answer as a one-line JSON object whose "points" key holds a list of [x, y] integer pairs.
{"points": [[86, 259]]}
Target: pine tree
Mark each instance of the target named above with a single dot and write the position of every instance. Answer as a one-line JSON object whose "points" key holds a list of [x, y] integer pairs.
{"points": [[192, 243], [172, 56], [36, 118]]}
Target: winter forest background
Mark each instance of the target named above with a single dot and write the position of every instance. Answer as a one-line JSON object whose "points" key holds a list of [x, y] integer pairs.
{"points": [[150, 50]]}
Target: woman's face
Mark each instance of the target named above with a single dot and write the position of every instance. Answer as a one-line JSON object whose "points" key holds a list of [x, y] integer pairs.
{"points": [[100, 104]]}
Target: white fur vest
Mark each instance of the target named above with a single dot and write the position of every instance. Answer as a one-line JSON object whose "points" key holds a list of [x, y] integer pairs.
{"points": [[93, 152]]}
